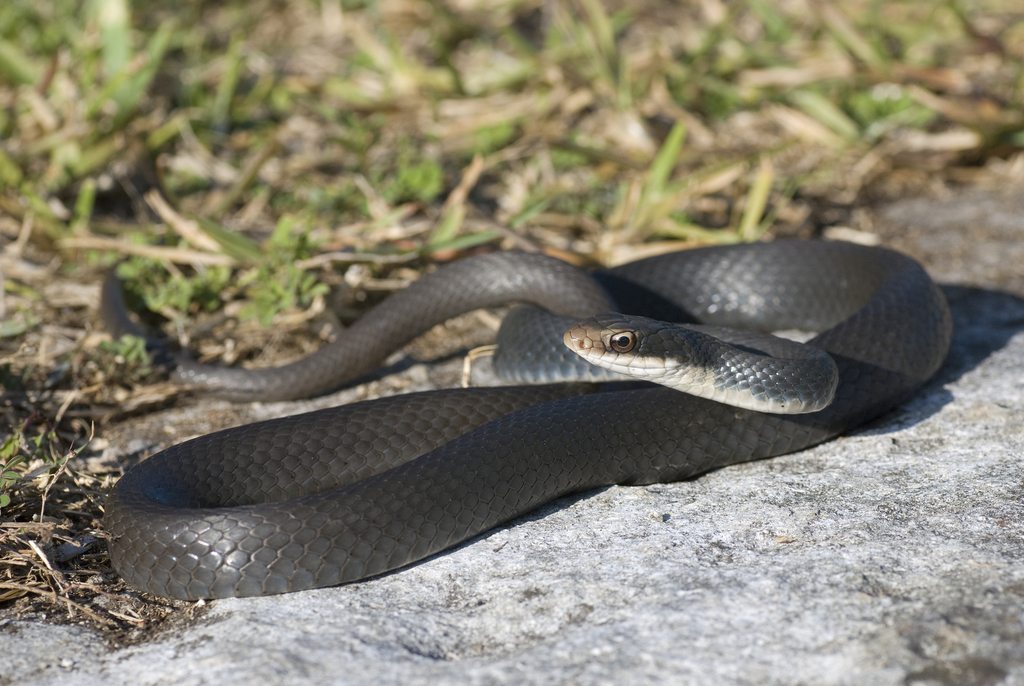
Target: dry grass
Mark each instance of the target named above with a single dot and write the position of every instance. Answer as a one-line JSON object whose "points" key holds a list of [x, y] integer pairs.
{"points": [[249, 156]]}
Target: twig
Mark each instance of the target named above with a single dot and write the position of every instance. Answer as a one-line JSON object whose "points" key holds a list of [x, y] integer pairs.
{"points": [[186, 228], [327, 258], [23, 235], [178, 255]]}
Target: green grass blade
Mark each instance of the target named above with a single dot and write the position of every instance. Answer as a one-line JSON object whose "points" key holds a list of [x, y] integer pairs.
{"points": [[649, 208], [757, 200], [16, 66], [114, 19], [221, 113], [10, 172], [462, 242], [448, 227], [665, 161], [821, 108], [129, 95], [84, 205], [601, 27], [235, 245]]}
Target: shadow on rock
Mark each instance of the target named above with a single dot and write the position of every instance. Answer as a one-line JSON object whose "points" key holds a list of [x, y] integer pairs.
{"points": [[983, 322]]}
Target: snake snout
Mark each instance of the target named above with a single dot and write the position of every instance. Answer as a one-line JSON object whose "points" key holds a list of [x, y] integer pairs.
{"points": [[578, 339]]}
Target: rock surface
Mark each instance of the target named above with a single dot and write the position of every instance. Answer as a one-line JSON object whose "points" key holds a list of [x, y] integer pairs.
{"points": [[891, 556]]}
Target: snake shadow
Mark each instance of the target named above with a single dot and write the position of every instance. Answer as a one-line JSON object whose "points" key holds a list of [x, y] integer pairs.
{"points": [[984, 321]]}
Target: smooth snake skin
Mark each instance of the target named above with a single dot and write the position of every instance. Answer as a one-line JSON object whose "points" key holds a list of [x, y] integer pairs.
{"points": [[342, 494]]}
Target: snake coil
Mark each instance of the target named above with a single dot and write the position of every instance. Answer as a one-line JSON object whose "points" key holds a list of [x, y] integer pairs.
{"points": [[342, 494]]}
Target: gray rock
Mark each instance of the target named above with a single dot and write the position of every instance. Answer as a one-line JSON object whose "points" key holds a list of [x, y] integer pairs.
{"points": [[891, 556]]}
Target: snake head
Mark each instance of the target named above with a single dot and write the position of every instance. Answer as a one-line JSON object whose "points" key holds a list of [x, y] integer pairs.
{"points": [[630, 345], [751, 370]]}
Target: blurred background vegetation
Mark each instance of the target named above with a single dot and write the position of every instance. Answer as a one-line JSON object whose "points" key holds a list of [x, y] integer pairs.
{"points": [[243, 162]]}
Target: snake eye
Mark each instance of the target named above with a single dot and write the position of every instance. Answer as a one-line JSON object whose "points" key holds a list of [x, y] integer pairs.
{"points": [[623, 342]]}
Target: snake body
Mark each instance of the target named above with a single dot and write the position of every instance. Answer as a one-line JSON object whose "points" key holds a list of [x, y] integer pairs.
{"points": [[342, 494]]}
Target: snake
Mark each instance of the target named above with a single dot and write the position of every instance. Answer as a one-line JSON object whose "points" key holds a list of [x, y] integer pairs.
{"points": [[346, 493]]}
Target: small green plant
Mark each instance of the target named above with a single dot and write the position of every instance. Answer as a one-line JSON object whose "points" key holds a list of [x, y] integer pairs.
{"points": [[884, 107], [17, 324], [275, 283], [421, 180], [488, 139], [278, 283], [125, 359], [172, 295], [18, 450], [9, 459]]}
